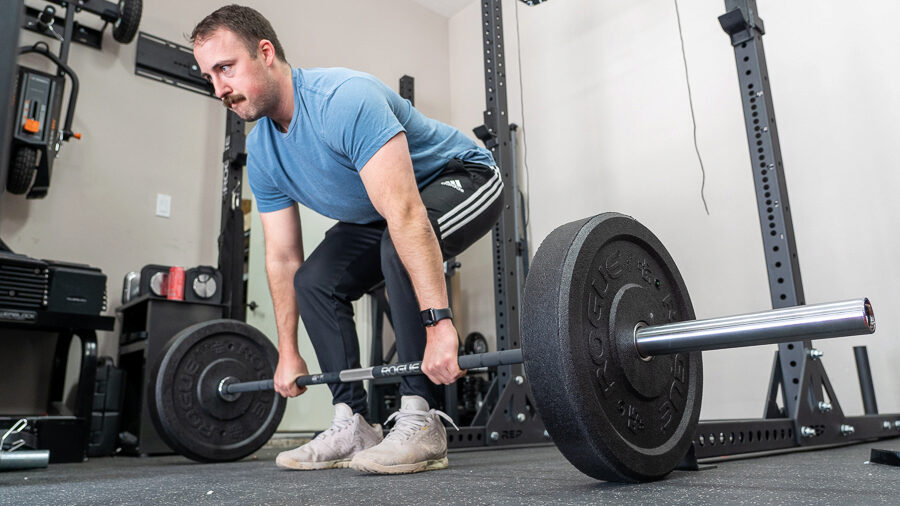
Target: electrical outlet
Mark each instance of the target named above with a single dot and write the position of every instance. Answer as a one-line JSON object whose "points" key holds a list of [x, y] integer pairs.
{"points": [[163, 205]]}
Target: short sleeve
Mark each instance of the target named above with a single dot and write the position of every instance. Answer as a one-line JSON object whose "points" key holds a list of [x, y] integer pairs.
{"points": [[268, 197], [359, 120]]}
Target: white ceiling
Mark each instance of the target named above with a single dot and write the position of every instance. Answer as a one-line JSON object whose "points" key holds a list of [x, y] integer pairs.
{"points": [[446, 8]]}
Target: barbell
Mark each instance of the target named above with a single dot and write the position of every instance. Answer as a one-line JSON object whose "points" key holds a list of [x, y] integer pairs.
{"points": [[609, 344]]}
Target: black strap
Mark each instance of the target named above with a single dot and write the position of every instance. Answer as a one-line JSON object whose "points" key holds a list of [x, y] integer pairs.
{"points": [[431, 316]]}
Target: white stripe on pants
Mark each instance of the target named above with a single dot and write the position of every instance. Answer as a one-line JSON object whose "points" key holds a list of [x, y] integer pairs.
{"points": [[470, 208]]}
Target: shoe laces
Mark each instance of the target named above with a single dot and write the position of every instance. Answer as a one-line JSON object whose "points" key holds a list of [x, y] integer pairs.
{"points": [[408, 421], [337, 425]]}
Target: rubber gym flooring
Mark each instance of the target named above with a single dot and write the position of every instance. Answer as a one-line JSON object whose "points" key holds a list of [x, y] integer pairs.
{"points": [[536, 475]]}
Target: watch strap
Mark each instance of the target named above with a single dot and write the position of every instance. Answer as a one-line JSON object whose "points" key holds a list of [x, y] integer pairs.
{"points": [[431, 316]]}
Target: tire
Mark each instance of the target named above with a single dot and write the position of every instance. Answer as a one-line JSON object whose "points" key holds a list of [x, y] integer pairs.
{"points": [[475, 344], [22, 169], [126, 27]]}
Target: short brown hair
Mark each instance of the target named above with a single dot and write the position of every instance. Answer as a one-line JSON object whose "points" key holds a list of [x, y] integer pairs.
{"points": [[248, 24]]}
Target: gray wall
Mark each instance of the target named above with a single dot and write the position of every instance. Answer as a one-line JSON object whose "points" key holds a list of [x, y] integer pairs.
{"points": [[609, 129], [142, 138]]}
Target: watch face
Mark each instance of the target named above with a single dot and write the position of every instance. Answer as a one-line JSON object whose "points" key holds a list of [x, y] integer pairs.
{"points": [[431, 316], [204, 286]]}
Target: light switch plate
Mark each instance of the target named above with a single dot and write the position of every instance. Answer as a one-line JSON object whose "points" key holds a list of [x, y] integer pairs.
{"points": [[163, 205]]}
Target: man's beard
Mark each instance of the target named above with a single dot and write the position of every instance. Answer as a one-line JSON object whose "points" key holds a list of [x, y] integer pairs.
{"points": [[267, 104]]}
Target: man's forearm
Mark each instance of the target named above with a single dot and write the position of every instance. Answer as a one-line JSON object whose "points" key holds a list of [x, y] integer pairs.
{"points": [[420, 253], [418, 248], [281, 285], [390, 182]]}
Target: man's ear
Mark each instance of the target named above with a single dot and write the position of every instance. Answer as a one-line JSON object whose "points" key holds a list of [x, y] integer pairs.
{"points": [[267, 50]]}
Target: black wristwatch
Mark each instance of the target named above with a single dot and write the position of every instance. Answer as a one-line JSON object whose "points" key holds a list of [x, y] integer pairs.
{"points": [[431, 316]]}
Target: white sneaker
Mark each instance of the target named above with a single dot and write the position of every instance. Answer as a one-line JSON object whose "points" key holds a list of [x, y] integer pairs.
{"points": [[417, 442], [333, 448]]}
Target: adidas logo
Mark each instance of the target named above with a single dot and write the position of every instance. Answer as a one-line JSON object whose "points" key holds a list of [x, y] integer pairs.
{"points": [[455, 184]]}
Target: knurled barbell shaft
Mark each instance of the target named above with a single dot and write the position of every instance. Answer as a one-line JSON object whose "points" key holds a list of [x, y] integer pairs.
{"points": [[466, 362], [821, 321]]}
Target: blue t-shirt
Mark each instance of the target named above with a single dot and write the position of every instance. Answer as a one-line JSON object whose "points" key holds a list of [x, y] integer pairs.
{"points": [[341, 118]]}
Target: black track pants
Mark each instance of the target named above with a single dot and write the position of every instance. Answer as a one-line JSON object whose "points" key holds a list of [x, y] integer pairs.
{"points": [[463, 204]]}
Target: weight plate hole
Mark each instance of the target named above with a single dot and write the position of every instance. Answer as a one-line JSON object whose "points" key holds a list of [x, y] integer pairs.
{"points": [[637, 327]]}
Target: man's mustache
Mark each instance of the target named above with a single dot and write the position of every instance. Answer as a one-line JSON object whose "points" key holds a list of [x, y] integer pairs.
{"points": [[230, 100]]}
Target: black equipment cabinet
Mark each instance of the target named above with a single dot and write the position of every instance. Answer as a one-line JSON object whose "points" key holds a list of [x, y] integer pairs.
{"points": [[62, 431], [147, 325]]}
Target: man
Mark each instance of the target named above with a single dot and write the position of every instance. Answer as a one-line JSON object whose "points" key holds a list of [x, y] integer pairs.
{"points": [[407, 191]]}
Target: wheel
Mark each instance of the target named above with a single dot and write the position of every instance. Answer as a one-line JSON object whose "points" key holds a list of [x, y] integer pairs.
{"points": [[126, 26], [476, 344], [22, 169]]}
